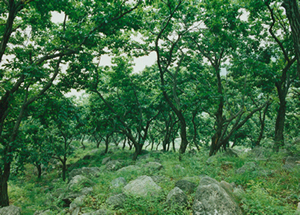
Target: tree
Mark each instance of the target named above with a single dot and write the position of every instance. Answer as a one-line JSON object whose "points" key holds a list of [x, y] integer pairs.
{"points": [[293, 14], [39, 47], [131, 105]]}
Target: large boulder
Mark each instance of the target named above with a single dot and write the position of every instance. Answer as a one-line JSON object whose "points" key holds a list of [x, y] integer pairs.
{"points": [[106, 160], [152, 167], [88, 171], [142, 186], [118, 182], [113, 165], [80, 181], [77, 204], [291, 163], [177, 198], [212, 198], [247, 167], [130, 168], [10, 210], [116, 201], [187, 186], [100, 212]]}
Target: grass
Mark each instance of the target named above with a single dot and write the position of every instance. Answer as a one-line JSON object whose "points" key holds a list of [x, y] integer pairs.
{"points": [[278, 193]]}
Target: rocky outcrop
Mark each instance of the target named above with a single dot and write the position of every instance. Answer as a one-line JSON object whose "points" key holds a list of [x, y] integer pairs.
{"points": [[142, 186], [113, 165], [212, 198], [87, 171], [10, 210], [291, 163], [177, 198], [116, 201], [118, 182], [187, 186]]}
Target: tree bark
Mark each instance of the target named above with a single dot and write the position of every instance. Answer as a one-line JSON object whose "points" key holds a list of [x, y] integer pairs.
{"points": [[279, 125], [293, 14], [4, 200], [39, 169]]}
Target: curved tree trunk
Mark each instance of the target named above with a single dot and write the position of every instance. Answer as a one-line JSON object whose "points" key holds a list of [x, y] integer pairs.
{"points": [[4, 200]]}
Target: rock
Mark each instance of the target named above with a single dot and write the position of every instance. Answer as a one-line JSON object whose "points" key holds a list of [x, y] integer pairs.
{"points": [[160, 178], [130, 168], [10, 210], [68, 197], [230, 153], [248, 167], [179, 168], [88, 171], [79, 182], [106, 160], [77, 203], [113, 165], [212, 160], [211, 198], [226, 186], [291, 162], [116, 201], [177, 197], [99, 212], [298, 209], [238, 193], [46, 212], [152, 167], [260, 153], [187, 186], [142, 186], [143, 157], [118, 182]]}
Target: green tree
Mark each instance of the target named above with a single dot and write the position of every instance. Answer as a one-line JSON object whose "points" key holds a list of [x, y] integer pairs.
{"points": [[39, 48]]}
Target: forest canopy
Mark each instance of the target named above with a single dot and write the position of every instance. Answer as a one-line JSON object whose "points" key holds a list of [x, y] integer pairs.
{"points": [[226, 74]]}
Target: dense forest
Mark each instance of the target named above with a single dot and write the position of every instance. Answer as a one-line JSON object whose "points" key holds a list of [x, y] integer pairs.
{"points": [[226, 75]]}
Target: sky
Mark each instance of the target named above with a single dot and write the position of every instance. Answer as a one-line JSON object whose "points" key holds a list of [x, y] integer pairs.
{"points": [[139, 63]]}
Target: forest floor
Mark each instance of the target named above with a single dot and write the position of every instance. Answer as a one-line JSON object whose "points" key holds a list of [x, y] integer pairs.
{"points": [[270, 186]]}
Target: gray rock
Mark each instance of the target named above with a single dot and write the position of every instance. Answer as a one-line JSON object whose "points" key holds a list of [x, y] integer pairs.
{"points": [[143, 157], [187, 186], [89, 171], [238, 193], [152, 167], [77, 203], [10, 210], [177, 197], [46, 212], [230, 153], [130, 168], [116, 201], [298, 209], [260, 153], [228, 187], [142, 186], [211, 198], [106, 160], [291, 162], [248, 167], [99, 212], [113, 165], [79, 182], [118, 182], [160, 178]]}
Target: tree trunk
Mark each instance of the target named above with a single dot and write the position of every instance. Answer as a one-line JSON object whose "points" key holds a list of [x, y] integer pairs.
{"points": [[138, 150], [4, 200], [106, 143], [279, 126], [39, 169], [262, 126], [64, 168], [293, 14]]}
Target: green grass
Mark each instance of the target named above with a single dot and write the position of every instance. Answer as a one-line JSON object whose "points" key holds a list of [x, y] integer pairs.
{"points": [[278, 193]]}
